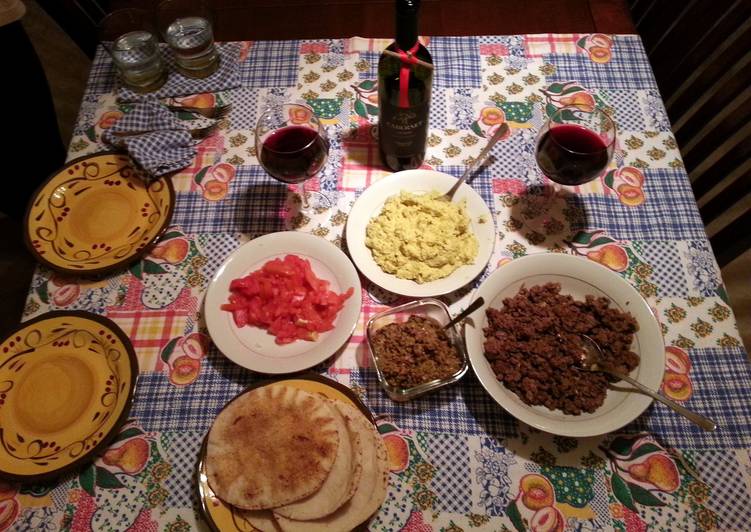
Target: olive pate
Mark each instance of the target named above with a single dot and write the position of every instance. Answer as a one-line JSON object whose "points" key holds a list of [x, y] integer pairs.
{"points": [[414, 352]]}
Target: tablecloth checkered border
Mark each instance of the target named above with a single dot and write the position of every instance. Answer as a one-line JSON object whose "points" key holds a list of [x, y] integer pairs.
{"points": [[253, 205], [102, 75], [453, 474], [669, 213], [361, 166], [480, 181], [270, 64], [729, 496], [464, 408], [181, 449], [456, 64], [628, 68], [160, 407], [551, 43], [149, 331]]}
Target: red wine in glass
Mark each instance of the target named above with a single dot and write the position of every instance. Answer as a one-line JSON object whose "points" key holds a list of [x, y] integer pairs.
{"points": [[576, 146], [293, 154]]}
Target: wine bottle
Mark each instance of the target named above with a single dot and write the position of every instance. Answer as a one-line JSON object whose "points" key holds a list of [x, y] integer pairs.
{"points": [[404, 87]]}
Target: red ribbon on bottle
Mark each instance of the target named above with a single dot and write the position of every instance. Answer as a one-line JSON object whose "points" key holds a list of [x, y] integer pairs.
{"points": [[407, 59]]}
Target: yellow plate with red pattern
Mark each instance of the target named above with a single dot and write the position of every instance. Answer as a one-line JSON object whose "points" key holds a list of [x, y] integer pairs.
{"points": [[66, 385], [223, 517], [97, 214]]}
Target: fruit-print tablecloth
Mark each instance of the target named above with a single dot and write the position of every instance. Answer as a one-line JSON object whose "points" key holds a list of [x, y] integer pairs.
{"points": [[458, 461]]}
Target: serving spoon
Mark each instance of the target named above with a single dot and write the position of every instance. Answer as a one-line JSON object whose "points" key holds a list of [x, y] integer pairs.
{"points": [[502, 129], [591, 357], [477, 303]]}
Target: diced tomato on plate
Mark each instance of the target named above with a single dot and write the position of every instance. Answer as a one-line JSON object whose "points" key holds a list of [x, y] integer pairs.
{"points": [[286, 298]]}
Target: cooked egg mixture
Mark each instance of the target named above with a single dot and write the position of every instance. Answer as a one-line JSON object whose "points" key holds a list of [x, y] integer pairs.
{"points": [[421, 237]]}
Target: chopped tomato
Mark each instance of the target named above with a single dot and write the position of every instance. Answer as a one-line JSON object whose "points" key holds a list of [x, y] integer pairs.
{"points": [[287, 299]]}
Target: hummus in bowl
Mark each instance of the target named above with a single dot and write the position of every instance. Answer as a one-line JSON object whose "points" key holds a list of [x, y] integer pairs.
{"points": [[421, 237], [411, 184]]}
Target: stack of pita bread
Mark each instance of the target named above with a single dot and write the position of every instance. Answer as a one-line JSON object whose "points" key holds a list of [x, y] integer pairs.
{"points": [[291, 460]]}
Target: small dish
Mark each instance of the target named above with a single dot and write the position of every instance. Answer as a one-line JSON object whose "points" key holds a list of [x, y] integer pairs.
{"points": [[96, 215], [430, 308], [369, 205], [578, 277], [222, 516], [254, 348], [66, 386]]}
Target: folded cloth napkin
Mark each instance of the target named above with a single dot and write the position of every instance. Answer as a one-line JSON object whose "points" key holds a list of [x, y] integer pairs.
{"points": [[226, 77], [153, 137]]}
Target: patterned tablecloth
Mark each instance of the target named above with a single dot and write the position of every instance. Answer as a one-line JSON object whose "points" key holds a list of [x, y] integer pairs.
{"points": [[459, 462]]}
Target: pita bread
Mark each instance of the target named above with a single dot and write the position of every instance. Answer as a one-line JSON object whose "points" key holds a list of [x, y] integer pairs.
{"points": [[349, 413], [334, 488], [262, 520], [272, 446], [370, 493]]}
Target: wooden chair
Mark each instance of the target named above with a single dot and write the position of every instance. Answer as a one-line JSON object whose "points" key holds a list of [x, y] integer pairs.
{"points": [[700, 51], [79, 19]]}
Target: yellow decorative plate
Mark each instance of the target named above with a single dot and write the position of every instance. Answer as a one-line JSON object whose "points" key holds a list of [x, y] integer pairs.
{"points": [[66, 384], [96, 214], [221, 516]]}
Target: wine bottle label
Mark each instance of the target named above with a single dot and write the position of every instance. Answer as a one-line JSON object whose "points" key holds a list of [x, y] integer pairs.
{"points": [[403, 130]]}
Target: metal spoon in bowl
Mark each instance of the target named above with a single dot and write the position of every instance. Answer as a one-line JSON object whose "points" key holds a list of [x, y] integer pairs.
{"points": [[477, 303], [591, 357], [501, 131]]}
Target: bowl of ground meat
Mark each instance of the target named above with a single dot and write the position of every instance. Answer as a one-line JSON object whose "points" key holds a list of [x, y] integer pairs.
{"points": [[411, 351], [525, 344]]}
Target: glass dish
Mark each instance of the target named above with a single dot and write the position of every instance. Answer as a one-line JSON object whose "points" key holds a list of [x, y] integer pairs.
{"points": [[428, 307]]}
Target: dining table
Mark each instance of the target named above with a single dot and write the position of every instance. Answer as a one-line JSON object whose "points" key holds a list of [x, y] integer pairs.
{"points": [[457, 460]]}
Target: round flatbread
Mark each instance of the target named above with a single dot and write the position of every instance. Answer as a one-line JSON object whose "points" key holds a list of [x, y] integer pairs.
{"points": [[272, 446], [356, 440], [370, 492], [262, 520], [334, 488]]}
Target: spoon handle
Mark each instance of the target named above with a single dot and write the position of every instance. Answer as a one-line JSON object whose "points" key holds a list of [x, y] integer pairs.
{"points": [[477, 303], [705, 423], [480, 159]]}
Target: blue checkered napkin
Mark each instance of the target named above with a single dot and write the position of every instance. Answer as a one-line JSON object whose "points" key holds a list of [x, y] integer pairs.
{"points": [[153, 137], [146, 116], [226, 77], [159, 152]]}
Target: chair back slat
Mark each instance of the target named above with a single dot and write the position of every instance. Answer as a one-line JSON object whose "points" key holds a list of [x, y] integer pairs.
{"points": [[700, 51], [739, 188]]}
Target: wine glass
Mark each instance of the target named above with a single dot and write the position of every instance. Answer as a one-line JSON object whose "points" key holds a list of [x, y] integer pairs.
{"points": [[575, 145], [292, 147]]}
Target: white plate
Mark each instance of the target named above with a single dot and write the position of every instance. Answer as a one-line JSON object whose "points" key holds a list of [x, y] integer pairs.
{"points": [[578, 277], [254, 348], [369, 205]]}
